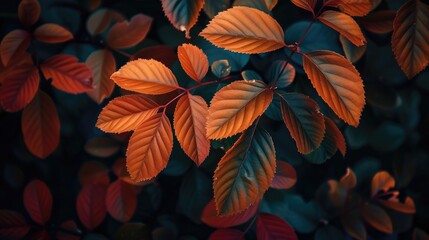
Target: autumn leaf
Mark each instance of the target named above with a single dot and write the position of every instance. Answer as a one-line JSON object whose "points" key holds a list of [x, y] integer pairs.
{"points": [[281, 71], [348, 181], [13, 225], [193, 61], [377, 218], [245, 172], [393, 203], [285, 177], [149, 148], [270, 226], [183, 14], [379, 22], [101, 19], [409, 38], [355, 7], [190, 127], [52, 33], [103, 65], [146, 76], [90, 205], [14, 45], [126, 113], [235, 107], [352, 52], [305, 4], [121, 200], [382, 181], [227, 234], [38, 201], [41, 126], [338, 82], [128, 34], [345, 25], [29, 12], [67, 74], [210, 216], [245, 30]]}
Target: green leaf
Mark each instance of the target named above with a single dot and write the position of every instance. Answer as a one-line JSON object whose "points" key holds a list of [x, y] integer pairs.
{"points": [[258, 4], [221, 68], [388, 137], [183, 14], [250, 75]]}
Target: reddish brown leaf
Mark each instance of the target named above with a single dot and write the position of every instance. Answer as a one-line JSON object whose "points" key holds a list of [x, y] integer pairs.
{"points": [[403, 207], [270, 227], [102, 147], [227, 234], [38, 201], [119, 168], [382, 181], [71, 227], [182, 14], [348, 181], [12, 225], [29, 12], [193, 61], [93, 172], [90, 205], [68, 74], [353, 225], [101, 19], [14, 45], [336, 135], [149, 148], [121, 200], [103, 65], [210, 217], [377, 218], [305, 4], [378, 22], [126, 113], [127, 34], [161, 53], [190, 127], [409, 40], [52, 33], [355, 7], [285, 176], [41, 126], [19, 87]]}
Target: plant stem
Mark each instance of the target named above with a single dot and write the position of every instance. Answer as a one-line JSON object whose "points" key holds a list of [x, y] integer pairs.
{"points": [[249, 226]]}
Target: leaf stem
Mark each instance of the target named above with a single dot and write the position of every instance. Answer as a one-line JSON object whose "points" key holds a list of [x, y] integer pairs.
{"points": [[211, 82], [250, 225], [164, 106]]}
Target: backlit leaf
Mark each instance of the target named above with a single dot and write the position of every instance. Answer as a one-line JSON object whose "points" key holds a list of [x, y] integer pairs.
{"points": [[409, 40], [303, 119], [183, 14], [235, 107], [285, 177], [67, 74], [382, 181], [270, 227], [193, 61], [103, 65], [127, 34], [352, 52], [245, 30], [29, 12], [149, 148], [14, 45], [345, 25], [404, 207], [211, 217], [377, 218], [121, 200], [52, 33], [19, 87], [146, 76], [126, 113], [227, 234], [338, 83], [12, 225], [355, 7], [190, 127], [100, 20], [41, 126], [245, 172], [378, 22], [283, 71], [305, 4], [91, 206], [38, 201]]}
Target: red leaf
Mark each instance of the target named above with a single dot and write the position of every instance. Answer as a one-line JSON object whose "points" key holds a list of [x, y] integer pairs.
{"points": [[101, 20], [93, 172], [71, 227], [29, 12], [68, 74], [121, 200], [38, 201], [103, 65], [19, 87], [403, 207], [210, 217], [127, 34], [285, 176], [271, 227], [14, 45], [52, 33], [12, 225], [227, 234], [91, 206], [41, 126], [161, 53]]}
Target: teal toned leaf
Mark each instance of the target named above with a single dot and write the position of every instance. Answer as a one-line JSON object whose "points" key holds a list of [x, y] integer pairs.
{"points": [[183, 14]]}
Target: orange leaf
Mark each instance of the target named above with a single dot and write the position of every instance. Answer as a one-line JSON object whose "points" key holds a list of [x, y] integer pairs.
{"points": [[41, 126], [29, 12], [409, 40], [149, 148], [91, 206], [348, 181], [52, 33], [245, 30], [285, 177], [38, 201], [14, 45], [338, 83], [19, 87], [305, 4], [146, 76], [403, 207], [303, 119], [67, 74], [101, 20], [345, 25], [382, 181], [121, 200], [193, 61], [103, 65], [126, 113], [182, 14], [127, 34], [378, 22], [377, 218], [355, 7], [236, 106], [336, 135]]}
